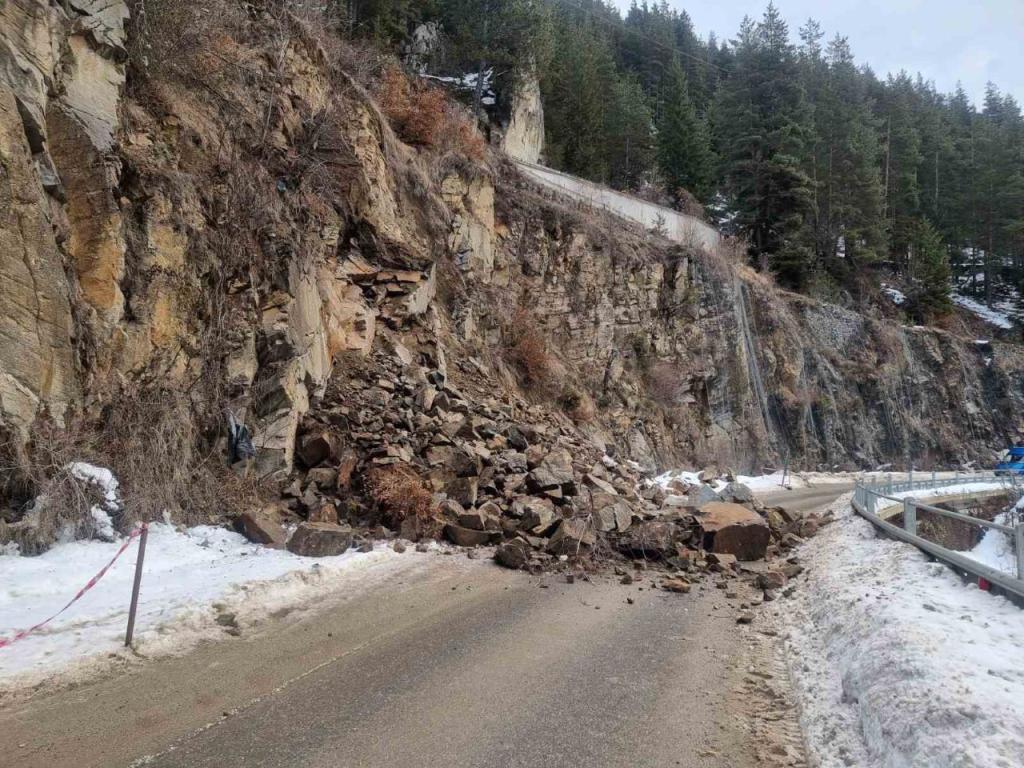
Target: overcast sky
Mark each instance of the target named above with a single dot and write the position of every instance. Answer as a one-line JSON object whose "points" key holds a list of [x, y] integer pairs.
{"points": [[972, 41]]}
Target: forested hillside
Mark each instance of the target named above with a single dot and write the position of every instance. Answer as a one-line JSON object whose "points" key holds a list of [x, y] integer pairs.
{"points": [[833, 173]]}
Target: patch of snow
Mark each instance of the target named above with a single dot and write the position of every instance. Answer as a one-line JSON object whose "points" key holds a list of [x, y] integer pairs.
{"points": [[896, 660], [101, 477], [189, 578], [897, 296], [104, 525], [989, 315]]}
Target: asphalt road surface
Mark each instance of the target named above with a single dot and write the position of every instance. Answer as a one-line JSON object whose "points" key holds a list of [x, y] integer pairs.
{"points": [[453, 663], [805, 499]]}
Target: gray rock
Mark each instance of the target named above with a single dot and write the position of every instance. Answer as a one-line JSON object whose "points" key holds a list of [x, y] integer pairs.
{"points": [[463, 490], [320, 539], [514, 554], [738, 493]]}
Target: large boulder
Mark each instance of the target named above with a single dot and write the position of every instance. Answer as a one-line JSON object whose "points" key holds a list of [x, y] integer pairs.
{"points": [[733, 529], [320, 539]]}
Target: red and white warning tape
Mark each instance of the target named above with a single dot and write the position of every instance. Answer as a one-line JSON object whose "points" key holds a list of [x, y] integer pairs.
{"points": [[4, 642]]}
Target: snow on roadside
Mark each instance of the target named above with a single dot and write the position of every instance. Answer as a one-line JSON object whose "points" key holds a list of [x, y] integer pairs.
{"points": [[191, 579], [897, 661], [996, 549]]}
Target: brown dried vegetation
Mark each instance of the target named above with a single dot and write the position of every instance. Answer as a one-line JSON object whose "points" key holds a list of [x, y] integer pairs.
{"points": [[399, 493]]}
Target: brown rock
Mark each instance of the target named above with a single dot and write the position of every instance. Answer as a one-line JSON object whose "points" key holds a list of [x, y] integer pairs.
{"points": [[676, 585], [325, 512], [462, 490], [263, 527], [733, 529], [324, 477], [771, 580], [346, 467], [571, 537], [320, 539], [316, 448], [537, 515], [651, 539], [467, 537]]}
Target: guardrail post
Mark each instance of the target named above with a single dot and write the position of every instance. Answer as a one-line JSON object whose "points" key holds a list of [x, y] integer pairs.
{"points": [[1018, 535], [933, 477], [909, 517]]}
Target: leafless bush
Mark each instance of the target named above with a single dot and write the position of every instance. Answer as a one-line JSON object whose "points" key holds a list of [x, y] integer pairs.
{"points": [[527, 350], [578, 404], [38, 486], [424, 116]]}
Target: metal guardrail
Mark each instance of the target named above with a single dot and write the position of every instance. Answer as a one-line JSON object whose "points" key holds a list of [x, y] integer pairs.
{"points": [[869, 498]]}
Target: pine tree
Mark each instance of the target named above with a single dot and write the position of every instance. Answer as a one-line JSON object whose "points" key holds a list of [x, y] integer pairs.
{"points": [[575, 90], [929, 271], [850, 228], [764, 124], [630, 145], [684, 155]]}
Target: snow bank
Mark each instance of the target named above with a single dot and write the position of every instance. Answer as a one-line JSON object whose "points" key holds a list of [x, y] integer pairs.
{"points": [[996, 549], [897, 661], [195, 583]]}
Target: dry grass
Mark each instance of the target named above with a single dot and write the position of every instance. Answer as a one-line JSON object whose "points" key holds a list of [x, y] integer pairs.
{"points": [[665, 384], [399, 493], [164, 462]]}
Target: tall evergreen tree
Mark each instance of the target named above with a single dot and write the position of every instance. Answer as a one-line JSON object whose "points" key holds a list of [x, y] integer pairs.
{"points": [[684, 155], [764, 124]]}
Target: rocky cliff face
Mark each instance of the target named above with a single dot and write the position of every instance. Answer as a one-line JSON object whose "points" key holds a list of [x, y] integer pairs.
{"points": [[217, 217]]}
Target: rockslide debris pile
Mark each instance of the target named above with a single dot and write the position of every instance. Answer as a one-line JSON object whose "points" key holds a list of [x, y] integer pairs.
{"points": [[398, 449]]}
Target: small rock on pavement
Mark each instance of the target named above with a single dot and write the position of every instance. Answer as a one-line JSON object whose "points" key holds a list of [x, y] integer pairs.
{"points": [[745, 618], [320, 539], [676, 585]]}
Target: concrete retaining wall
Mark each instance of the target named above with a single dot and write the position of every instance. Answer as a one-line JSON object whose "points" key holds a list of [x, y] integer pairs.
{"points": [[677, 226]]}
